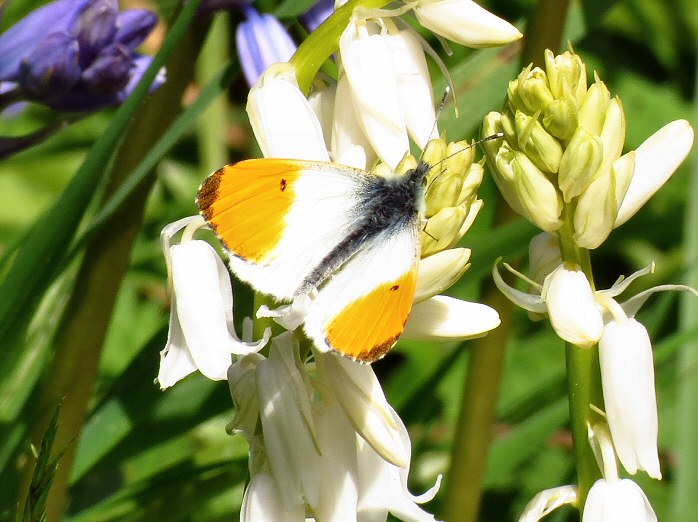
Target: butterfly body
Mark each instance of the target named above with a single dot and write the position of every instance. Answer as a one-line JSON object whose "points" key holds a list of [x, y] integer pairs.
{"points": [[294, 226]]}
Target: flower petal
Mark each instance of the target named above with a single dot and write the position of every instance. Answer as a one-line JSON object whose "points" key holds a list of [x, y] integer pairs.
{"points": [[338, 467], [444, 318], [262, 501], [655, 161], [547, 501], [627, 378], [203, 297], [368, 65], [611, 501], [283, 121], [465, 22], [573, 312], [261, 41], [359, 393], [289, 432], [439, 271], [383, 486]]}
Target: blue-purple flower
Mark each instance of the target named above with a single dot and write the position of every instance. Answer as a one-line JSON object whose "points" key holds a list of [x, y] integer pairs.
{"points": [[261, 41], [76, 55]]}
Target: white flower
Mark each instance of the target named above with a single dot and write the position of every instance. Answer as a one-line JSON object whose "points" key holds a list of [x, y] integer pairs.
{"points": [[390, 86], [357, 390], [383, 486], [627, 377], [617, 501], [322, 439], [465, 22], [611, 499], [201, 335], [285, 406], [282, 119], [262, 502]]}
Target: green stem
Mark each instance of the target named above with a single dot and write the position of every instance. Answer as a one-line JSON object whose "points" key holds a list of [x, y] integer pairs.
{"points": [[324, 41], [476, 418], [83, 328], [583, 376]]}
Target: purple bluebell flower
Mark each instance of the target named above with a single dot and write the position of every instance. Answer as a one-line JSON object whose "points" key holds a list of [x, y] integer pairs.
{"points": [[76, 55], [317, 14], [261, 40]]}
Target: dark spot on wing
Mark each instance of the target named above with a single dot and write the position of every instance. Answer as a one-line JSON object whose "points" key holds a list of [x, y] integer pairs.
{"points": [[282, 185]]}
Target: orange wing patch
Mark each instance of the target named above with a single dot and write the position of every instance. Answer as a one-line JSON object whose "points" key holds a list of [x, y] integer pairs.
{"points": [[247, 203], [367, 328]]}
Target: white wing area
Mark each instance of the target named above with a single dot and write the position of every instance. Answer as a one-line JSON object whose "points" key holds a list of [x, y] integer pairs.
{"points": [[321, 215], [371, 271]]}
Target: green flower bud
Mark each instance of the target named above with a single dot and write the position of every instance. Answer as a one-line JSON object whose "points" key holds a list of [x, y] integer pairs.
{"points": [[513, 96], [560, 118], [566, 75], [527, 190], [472, 182], [592, 113], [508, 126], [533, 90], [406, 164], [540, 147], [580, 164], [598, 206], [623, 170], [613, 133], [442, 228], [433, 154], [384, 170], [449, 175]]}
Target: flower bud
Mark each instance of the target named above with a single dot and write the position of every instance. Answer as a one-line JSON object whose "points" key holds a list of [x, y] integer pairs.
{"points": [[533, 191], [450, 175], [580, 164], [442, 228], [533, 90], [543, 256], [597, 207], [52, 67], [539, 146], [560, 117], [472, 182], [573, 312], [592, 113], [613, 133], [566, 75]]}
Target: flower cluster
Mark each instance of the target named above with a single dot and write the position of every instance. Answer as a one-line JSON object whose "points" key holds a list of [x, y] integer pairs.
{"points": [[75, 55], [560, 165], [323, 440]]}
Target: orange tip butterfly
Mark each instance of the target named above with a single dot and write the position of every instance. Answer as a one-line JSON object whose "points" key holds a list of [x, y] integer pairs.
{"points": [[292, 227]]}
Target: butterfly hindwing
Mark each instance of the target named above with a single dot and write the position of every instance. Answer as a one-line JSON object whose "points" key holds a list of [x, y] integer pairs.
{"points": [[362, 309], [280, 218]]}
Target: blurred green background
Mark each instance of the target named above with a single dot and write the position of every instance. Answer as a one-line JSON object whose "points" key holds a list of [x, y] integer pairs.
{"points": [[151, 455]]}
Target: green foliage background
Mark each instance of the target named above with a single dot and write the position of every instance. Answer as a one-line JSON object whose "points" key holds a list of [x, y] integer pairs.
{"points": [[150, 455]]}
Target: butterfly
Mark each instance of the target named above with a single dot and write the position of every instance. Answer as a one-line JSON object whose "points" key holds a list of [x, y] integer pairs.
{"points": [[349, 238]]}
